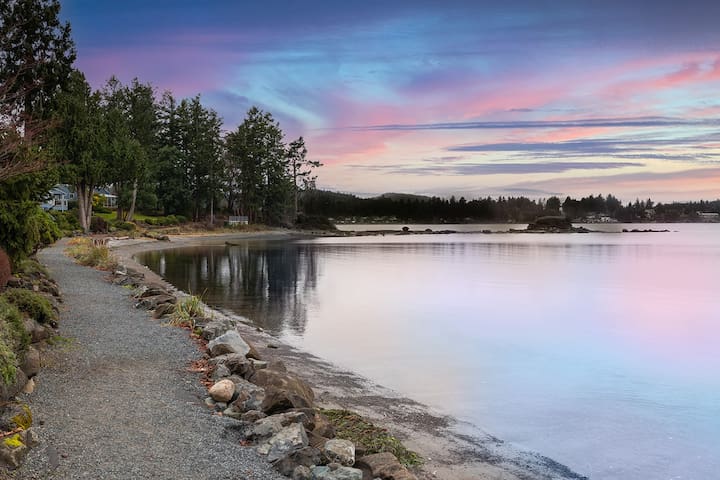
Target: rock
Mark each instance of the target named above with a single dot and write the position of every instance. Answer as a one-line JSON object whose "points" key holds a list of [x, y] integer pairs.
{"points": [[269, 426], [305, 457], [40, 333], [153, 290], [221, 371], [283, 391], [213, 330], [29, 387], [14, 415], [287, 440], [228, 342], [323, 427], [249, 397], [316, 440], [210, 402], [13, 450], [277, 365], [384, 466], [31, 362], [9, 391], [153, 302], [239, 365], [163, 309], [222, 391], [342, 473], [340, 451], [259, 364], [301, 472], [252, 416]]}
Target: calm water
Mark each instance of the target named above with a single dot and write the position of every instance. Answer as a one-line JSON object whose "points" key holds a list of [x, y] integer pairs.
{"points": [[601, 351]]}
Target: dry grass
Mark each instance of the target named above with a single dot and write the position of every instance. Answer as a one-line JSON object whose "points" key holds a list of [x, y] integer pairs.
{"points": [[87, 253]]}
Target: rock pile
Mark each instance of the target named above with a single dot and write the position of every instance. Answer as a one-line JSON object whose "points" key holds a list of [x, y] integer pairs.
{"points": [[16, 433], [276, 412]]}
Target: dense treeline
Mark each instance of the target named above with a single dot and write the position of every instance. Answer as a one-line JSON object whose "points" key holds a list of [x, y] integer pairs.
{"points": [[503, 209], [158, 154]]}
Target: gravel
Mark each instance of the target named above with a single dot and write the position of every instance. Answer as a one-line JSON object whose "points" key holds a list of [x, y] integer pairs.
{"points": [[116, 400]]}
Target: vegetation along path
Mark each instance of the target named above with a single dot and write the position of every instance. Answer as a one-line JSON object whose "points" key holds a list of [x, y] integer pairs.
{"points": [[116, 401]]}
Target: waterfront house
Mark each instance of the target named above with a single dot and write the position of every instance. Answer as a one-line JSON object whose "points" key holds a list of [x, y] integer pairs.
{"points": [[58, 198]]}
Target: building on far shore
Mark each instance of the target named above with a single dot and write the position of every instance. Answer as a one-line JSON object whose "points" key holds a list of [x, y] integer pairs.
{"points": [[58, 198], [708, 216]]}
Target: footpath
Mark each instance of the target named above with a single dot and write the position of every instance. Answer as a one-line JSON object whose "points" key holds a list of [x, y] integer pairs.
{"points": [[115, 400]]}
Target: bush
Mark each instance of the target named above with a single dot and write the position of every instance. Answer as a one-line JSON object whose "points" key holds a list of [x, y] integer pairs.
{"points": [[33, 304], [314, 222], [98, 225], [122, 225], [14, 340], [30, 268], [166, 221], [67, 222], [25, 228]]}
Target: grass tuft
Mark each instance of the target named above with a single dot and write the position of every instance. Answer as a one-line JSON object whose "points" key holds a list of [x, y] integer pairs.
{"points": [[87, 253], [186, 311]]}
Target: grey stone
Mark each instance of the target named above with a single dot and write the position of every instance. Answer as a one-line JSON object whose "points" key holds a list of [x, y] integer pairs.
{"points": [[269, 426], [287, 440], [220, 372], [340, 451], [213, 330], [252, 416], [228, 342], [248, 396], [306, 457], [31, 362], [301, 472], [342, 473]]}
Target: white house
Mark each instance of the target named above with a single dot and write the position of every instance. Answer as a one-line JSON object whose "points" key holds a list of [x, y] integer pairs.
{"points": [[58, 198]]}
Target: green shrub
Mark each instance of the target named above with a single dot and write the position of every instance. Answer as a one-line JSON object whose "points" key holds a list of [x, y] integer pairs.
{"points": [[30, 268], [14, 340], [25, 228], [122, 225], [165, 221], [33, 304], [67, 222]]}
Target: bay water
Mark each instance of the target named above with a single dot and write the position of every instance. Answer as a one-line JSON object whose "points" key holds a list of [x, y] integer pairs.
{"points": [[599, 350]]}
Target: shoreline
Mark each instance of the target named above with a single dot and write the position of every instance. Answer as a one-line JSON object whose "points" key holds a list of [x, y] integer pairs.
{"points": [[452, 449]]}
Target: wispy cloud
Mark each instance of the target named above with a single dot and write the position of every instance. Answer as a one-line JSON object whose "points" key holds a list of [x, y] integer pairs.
{"points": [[495, 168], [638, 122]]}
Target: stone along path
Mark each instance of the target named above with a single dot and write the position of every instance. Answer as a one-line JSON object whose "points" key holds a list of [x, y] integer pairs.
{"points": [[116, 401]]}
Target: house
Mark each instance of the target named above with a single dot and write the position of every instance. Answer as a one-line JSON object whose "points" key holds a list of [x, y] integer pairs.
{"points": [[237, 220], [58, 198], [109, 199]]}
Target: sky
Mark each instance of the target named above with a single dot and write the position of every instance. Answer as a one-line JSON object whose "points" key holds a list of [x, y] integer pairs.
{"points": [[465, 98]]}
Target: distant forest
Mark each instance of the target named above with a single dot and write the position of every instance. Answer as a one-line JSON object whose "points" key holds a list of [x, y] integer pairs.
{"points": [[406, 208]]}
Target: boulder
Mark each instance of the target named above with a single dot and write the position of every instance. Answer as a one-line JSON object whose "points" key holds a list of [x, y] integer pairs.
{"points": [[222, 391], [151, 303], [316, 440], [9, 391], [31, 362], [283, 391], [341, 473], [153, 290], [339, 451], [220, 372], [267, 427], [240, 365], [322, 426], [213, 330], [306, 457], [284, 442], [384, 466], [13, 450], [249, 397], [228, 342], [301, 472]]}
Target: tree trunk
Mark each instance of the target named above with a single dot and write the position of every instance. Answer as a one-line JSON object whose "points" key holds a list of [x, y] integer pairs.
{"points": [[84, 193], [131, 212], [212, 210]]}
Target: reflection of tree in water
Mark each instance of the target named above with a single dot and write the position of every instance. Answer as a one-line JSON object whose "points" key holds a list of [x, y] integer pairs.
{"points": [[271, 283]]}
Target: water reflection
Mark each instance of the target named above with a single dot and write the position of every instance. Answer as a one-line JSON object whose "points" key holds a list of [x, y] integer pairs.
{"points": [[271, 283]]}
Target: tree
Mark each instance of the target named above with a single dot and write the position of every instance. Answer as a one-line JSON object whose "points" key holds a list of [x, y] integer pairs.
{"points": [[37, 53], [301, 169], [257, 153], [79, 141]]}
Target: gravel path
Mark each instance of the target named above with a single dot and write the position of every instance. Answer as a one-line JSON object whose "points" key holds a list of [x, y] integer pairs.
{"points": [[117, 402]]}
